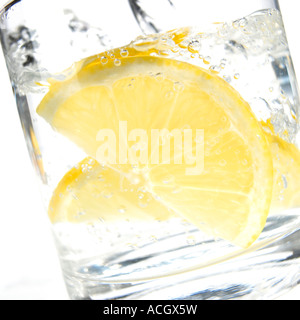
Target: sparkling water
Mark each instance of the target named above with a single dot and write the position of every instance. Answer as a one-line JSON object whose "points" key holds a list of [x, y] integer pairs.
{"points": [[129, 259]]}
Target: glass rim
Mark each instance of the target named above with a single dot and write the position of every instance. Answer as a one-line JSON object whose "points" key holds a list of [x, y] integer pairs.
{"points": [[8, 5], [11, 3]]}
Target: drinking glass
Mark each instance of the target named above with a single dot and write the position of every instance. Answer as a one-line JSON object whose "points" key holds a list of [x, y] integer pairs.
{"points": [[125, 228]]}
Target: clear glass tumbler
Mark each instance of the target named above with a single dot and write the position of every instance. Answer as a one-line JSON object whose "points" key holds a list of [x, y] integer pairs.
{"points": [[165, 136]]}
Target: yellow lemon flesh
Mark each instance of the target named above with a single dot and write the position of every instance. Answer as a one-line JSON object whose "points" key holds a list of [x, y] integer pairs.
{"points": [[286, 173], [91, 191], [220, 180]]}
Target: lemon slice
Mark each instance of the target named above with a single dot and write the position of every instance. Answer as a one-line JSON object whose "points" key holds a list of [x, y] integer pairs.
{"points": [[91, 192], [220, 180], [286, 166]]}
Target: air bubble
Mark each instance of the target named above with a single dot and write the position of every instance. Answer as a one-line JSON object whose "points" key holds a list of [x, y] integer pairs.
{"points": [[194, 46], [169, 95], [142, 189], [84, 168], [218, 152], [144, 44], [243, 23], [207, 60], [227, 78], [184, 44], [191, 240], [117, 62], [222, 163], [122, 209], [236, 24], [91, 162], [245, 162], [107, 195], [104, 60], [124, 53], [224, 30], [215, 69], [141, 196], [111, 54], [81, 213], [237, 76], [175, 49], [178, 86]]}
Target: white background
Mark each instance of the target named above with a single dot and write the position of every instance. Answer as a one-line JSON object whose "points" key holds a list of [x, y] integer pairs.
{"points": [[29, 268]]}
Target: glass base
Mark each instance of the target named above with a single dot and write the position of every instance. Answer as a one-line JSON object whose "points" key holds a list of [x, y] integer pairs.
{"points": [[207, 270]]}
